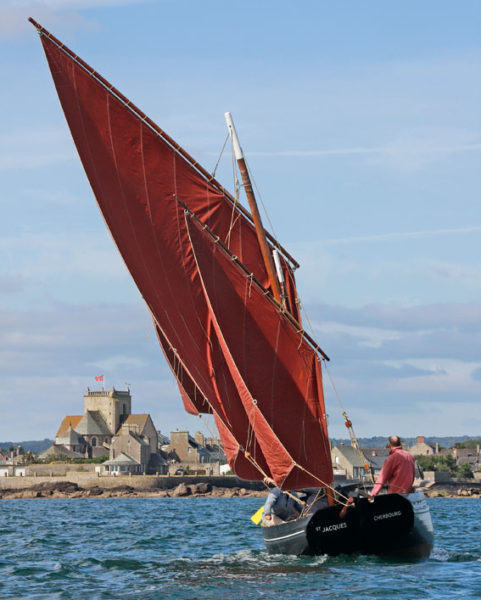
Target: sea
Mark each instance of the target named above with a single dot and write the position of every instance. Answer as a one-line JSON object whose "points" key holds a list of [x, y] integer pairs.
{"points": [[207, 548]]}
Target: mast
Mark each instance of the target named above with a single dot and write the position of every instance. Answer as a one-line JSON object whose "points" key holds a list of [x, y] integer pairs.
{"points": [[261, 235]]}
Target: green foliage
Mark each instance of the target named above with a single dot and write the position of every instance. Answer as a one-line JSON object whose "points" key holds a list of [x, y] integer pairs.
{"points": [[28, 458], [464, 471], [85, 461], [432, 462], [445, 464], [468, 444], [61, 458]]}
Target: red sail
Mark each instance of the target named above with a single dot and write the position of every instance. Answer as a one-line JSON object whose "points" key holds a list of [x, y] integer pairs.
{"points": [[275, 370], [143, 181]]}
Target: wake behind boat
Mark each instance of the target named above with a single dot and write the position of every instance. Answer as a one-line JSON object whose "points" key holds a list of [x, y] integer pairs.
{"points": [[222, 294]]}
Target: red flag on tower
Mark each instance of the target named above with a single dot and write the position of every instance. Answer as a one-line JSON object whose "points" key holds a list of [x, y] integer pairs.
{"points": [[99, 377]]}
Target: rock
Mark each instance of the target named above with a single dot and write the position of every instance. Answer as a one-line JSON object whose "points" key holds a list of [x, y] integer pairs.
{"points": [[123, 489], [201, 488], [181, 490], [30, 494], [67, 487]]}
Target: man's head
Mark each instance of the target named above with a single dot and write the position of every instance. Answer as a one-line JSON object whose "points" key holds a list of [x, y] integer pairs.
{"points": [[394, 441]]}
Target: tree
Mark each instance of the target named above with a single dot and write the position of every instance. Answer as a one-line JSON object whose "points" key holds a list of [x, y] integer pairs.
{"points": [[469, 444], [437, 463], [464, 471]]}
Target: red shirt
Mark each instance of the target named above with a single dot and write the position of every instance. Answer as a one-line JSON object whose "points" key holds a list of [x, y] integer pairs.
{"points": [[398, 471]]}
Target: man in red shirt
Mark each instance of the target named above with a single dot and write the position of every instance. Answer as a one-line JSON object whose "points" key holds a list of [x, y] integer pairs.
{"points": [[397, 470]]}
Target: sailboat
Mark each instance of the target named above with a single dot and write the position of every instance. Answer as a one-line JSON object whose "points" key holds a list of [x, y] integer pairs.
{"points": [[222, 294]]}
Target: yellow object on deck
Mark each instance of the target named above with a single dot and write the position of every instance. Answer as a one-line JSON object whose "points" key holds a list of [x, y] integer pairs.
{"points": [[257, 516]]}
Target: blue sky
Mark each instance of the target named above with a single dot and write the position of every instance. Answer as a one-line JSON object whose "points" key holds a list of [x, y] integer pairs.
{"points": [[362, 128]]}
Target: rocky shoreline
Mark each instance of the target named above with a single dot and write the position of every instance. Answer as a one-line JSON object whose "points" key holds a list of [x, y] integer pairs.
{"points": [[453, 492], [69, 489]]}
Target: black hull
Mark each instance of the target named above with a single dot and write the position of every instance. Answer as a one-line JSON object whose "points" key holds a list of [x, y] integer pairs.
{"points": [[392, 526]]}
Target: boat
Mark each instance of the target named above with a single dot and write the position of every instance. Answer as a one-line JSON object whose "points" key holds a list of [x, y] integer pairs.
{"points": [[397, 526], [222, 295]]}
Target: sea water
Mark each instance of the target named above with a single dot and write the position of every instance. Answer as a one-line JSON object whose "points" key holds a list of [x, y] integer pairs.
{"points": [[207, 548]]}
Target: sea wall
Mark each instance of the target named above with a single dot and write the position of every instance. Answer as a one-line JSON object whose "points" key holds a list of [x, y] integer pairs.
{"points": [[438, 476], [139, 482]]}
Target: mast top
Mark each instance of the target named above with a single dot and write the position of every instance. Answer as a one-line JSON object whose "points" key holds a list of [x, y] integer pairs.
{"points": [[233, 136]]}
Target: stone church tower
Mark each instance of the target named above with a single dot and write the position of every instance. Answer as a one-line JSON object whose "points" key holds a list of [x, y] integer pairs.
{"points": [[114, 406]]}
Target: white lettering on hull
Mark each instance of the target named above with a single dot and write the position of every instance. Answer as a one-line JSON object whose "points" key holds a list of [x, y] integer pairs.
{"points": [[390, 515], [333, 527]]}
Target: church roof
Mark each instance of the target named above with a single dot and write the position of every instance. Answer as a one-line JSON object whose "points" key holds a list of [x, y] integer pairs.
{"points": [[69, 439], [57, 450], [92, 423], [70, 421], [139, 420]]}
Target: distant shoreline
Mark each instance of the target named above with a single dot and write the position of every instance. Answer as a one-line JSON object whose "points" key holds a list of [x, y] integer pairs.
{"points": [[68, 489]]}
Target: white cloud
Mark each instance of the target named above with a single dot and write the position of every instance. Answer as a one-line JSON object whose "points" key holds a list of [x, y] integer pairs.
{"points": [[14, 14], [33, 148], [314, 248], [365, 336], [392, 150], [119, 362], [457, 377], [14, 18], [44, 255], [381, 383], [454, 272]]}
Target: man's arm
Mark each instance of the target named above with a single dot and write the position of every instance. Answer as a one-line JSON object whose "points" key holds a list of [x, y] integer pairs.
{"points": [[384, 475], [271, 500]]}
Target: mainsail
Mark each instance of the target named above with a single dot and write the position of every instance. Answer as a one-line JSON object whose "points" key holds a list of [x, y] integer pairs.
{"points": [[193, 253]]}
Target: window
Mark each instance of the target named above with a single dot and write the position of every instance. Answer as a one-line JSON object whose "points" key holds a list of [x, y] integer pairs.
{"points": [[94, 441]]}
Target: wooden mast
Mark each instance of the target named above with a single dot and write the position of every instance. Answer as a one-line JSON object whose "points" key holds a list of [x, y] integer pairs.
{"points": [[261, 234]]}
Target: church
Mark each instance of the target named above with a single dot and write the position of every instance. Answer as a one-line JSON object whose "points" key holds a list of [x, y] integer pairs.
{"points": [[108, 429]]}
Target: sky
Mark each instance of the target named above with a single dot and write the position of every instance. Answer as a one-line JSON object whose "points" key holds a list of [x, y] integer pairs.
{"points": [[361, 125]]}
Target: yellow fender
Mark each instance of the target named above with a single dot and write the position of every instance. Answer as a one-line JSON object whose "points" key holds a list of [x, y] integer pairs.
{"points": [[257, 516]]}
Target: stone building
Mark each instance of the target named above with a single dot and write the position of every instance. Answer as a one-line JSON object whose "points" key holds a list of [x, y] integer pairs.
{"points": [[136, 439], [421, 448], [196, 453], [347, 461], [108, 428]]}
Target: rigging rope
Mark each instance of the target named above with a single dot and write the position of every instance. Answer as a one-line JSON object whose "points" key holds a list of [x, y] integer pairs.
{"points": [[260, 199], [336, 493], [348, 424], [347, 421], [235, 215], [220, 156]]}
